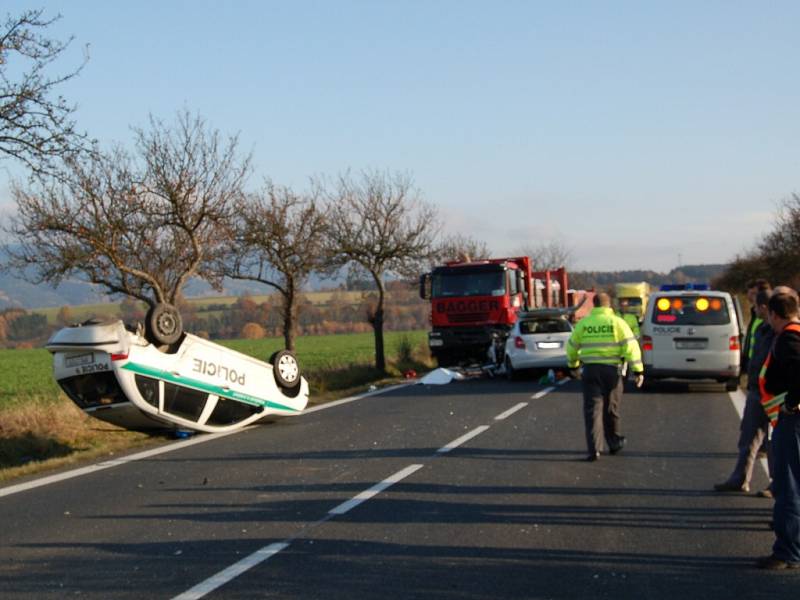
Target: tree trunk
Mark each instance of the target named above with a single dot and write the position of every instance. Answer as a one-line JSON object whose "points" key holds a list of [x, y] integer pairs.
{"points": [[289, 315], [377, 325]]}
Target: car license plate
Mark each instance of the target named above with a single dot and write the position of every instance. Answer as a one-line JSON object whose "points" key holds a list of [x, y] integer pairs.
{"points": [[435, 342], [548, 345], [691, 345], [79, 360]]}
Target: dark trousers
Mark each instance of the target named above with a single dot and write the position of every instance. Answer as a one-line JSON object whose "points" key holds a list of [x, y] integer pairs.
{"points": [[786, 487], [752, 433], [602, 395]]}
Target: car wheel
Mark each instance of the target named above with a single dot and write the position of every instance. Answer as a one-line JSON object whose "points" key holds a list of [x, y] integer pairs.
{"points": [[511, 374], [285, 369], [163, 324], [732, 384]]}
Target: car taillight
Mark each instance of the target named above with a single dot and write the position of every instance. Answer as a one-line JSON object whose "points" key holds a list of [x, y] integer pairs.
{"points": [[519, 343], [734, 343], [647, 342], [119, 357]]}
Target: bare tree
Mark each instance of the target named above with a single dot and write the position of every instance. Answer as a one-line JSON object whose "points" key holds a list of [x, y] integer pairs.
{"points": [[775, 257], [36, 125], [279, 242], [379, 222], [138, 224], [547, 255], [460, 247]]}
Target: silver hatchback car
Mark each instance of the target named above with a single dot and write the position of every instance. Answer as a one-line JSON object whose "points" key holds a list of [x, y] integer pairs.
{"points": [[538, 340]]}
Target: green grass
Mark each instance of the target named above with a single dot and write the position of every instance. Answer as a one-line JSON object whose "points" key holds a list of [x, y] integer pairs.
{"points": [[26, 374]]}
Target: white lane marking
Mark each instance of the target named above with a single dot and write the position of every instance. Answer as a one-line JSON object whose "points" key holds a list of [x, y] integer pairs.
{"points": [[464, 438], [232, 572], [544, 392], [327, 405], [209, 585], [563, 381], [107, 464], [510, 411], [374, 490], [200, 439], [739, 398]]}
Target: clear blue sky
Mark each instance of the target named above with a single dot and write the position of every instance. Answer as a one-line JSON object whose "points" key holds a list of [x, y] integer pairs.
{"points": [[634, 132]]}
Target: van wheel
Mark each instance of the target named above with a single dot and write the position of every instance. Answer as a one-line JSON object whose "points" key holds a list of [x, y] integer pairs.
{"points": [[285, 369], [163, 324], [732, 384]]}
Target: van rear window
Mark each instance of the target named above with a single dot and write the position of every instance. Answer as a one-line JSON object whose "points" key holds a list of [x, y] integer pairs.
{"points": [[690, 310]]}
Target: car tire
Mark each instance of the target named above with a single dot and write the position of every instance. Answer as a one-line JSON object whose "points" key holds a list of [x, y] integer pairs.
{"points": [[163, 324], [732, 384], [511, 373], [285, 369]]}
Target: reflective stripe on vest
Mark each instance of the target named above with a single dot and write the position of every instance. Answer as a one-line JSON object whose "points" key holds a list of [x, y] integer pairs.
{"points": [[772, 404]]}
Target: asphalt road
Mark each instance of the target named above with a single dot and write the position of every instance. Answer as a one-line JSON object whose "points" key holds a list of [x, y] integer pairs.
{"points": [[475, 489]]}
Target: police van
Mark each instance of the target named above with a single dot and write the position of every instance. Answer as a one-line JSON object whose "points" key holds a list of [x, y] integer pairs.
{"points": [[691, 332]]}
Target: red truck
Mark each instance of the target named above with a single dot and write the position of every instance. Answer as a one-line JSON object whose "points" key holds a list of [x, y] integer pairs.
{"points": [[475, 303]]}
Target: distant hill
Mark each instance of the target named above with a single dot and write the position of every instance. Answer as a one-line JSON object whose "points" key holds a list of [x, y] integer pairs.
{"points": [[18, 293], [682, 274]]}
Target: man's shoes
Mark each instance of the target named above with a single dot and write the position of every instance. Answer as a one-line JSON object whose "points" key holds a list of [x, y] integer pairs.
{"points": [[729, 486], [765, 493], [593, 457], [618, 446], [773, 563]]}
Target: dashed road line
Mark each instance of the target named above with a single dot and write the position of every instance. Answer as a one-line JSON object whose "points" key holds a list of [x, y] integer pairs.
{"points": [[374, 490], [248, 562], [464, 438], [543, 392], [504, 415]]}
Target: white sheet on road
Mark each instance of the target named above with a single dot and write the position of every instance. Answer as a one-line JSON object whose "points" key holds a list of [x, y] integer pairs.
{"points": [[441, 377]]}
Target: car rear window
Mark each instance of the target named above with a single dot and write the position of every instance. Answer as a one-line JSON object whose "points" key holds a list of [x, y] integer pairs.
{"points": [[690, 310], [545, 326]]}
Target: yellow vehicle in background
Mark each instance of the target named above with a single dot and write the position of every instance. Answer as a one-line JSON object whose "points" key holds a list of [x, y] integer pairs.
{"points": [[634, 297]]}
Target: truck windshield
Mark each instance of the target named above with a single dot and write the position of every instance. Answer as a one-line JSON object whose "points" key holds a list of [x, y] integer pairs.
{"points": [[487, 283]]}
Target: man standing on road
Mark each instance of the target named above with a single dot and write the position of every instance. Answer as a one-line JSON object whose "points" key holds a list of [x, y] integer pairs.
{"points": [[753, 288], [755, 424], [602, 342], [781, 377]]}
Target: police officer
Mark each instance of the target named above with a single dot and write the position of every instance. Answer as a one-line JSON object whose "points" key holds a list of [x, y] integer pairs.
{"points": [[602, 342], [631, 319]]}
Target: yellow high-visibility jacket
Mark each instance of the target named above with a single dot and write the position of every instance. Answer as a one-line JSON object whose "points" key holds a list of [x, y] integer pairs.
{"points": [[632, 322], [602, 338]]}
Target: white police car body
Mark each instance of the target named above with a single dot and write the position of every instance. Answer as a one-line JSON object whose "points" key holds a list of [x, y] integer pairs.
{"points": [[117, 375], [691, 332]]}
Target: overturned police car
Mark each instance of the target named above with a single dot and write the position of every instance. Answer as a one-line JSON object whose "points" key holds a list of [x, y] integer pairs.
{"points": [[159, 376]]}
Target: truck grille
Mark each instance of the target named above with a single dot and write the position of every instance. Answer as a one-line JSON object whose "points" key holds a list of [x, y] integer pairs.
{"points": [[468, 317]]}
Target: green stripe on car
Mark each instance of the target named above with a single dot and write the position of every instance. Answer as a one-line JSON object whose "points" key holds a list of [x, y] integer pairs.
{"points": [[204, 387]]}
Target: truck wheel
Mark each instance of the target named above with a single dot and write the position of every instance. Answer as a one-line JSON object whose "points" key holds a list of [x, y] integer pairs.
{"points": [[285, 369], [163, 324]]}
